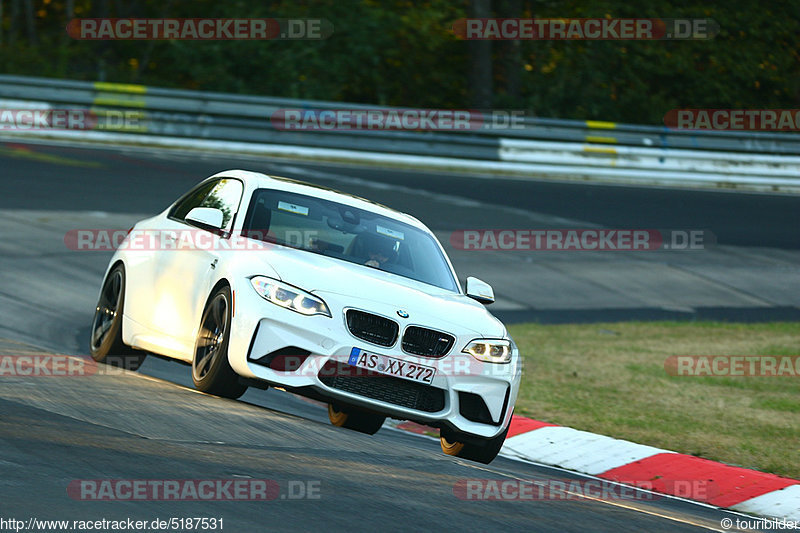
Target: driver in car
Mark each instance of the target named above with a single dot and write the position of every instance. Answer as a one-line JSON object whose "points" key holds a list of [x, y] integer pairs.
{"points": [[379, 250]]}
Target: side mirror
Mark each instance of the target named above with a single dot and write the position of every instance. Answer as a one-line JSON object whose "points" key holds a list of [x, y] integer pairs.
{"points": [[480, 291], [206, 217]]}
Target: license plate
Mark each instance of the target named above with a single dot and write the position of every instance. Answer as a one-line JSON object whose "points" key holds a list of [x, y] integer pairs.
{"points": [[391, 366]]}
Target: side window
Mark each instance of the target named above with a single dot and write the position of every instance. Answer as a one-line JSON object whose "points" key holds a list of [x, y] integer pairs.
{"points": [[225, 196], [191, 200]]}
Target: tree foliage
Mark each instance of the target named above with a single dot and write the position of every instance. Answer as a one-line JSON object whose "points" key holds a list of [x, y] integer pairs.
{"points": [[404, 53]]}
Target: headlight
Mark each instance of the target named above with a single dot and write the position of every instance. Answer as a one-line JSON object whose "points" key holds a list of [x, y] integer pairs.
{"points": [[289, 297], [489, 350]]}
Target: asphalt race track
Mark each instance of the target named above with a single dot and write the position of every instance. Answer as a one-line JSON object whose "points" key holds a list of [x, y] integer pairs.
{"points": [[747, 271], [151, 425]]}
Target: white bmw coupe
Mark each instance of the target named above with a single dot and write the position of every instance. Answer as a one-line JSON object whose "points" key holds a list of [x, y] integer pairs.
{"points": [[263, 281]]}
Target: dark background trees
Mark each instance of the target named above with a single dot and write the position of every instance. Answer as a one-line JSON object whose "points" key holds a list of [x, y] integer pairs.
{"points": [[404, 53]]}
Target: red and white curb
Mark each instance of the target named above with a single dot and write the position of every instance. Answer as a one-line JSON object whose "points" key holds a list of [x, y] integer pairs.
{"points": [[666, 472]]}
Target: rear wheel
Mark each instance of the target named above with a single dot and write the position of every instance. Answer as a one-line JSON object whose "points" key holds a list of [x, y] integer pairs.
{"points": [[211, 371], [106, 344], [483, 452], [355, 419]]}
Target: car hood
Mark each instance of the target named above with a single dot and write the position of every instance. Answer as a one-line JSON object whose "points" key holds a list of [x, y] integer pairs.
{"points": [[357, 286]]}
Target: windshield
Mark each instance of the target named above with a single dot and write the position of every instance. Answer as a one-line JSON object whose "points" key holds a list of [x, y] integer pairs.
{"points": [[347, 233]]}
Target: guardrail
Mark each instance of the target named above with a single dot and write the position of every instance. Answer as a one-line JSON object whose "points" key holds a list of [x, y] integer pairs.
{"points": [[565, 148]]}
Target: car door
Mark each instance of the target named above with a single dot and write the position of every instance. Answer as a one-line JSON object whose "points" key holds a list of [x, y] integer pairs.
{"points": [[147, 245], [185, 267]]}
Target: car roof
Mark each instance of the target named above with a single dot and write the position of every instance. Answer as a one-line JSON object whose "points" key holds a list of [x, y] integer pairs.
{"points": [[258, 180]]}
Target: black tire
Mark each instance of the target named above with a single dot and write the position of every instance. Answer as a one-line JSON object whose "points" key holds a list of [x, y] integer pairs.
{"points": [[355, 419], [105, 342], [483, 452], [211, 371]]}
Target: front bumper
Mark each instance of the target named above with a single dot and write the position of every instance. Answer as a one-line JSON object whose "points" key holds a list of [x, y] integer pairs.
{"points": [[470, 396]]}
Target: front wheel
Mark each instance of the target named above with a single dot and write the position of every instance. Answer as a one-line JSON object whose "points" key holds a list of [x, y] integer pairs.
{"points": [[355, 419], [483, 452], [105, 344], [211, 371]]}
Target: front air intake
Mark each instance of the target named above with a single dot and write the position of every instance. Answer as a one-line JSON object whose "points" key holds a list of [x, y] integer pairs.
{"points": [[427, 342], [372, 328]]}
